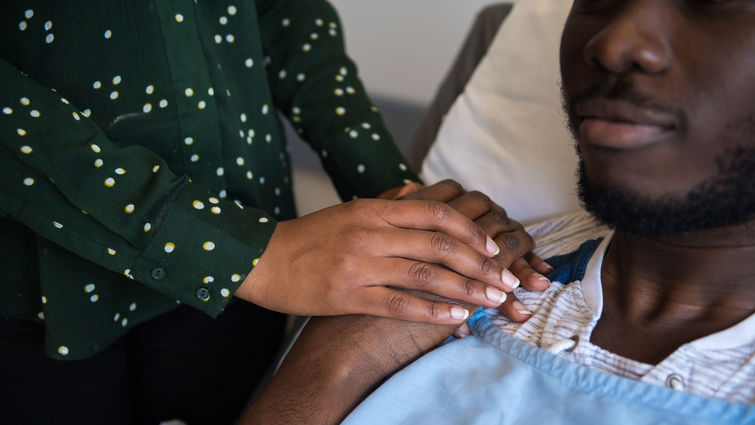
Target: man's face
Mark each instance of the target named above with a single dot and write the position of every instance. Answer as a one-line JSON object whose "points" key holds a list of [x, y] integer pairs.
{"points": [[660, 95]]}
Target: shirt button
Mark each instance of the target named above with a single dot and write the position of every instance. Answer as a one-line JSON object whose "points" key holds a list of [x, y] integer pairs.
{"points": [[158, 273], [675, 381], [203, 294]]}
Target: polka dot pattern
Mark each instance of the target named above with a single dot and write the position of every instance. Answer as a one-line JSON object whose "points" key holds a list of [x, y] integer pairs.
{"points": [[193, 121]]}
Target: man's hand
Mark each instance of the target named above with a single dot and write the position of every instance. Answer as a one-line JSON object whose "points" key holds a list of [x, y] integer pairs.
{"points": [[363, 256], [516, 245], [335, 363]]}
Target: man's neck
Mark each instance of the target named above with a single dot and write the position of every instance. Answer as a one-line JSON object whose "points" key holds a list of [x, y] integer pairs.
{"points": [[667, 291]]}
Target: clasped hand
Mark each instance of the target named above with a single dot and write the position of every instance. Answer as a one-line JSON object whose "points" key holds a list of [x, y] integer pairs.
{"points": [[374, 256]]}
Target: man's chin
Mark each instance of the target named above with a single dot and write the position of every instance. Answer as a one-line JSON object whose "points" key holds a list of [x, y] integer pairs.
{"points": [[628, 213], [727, 199]]}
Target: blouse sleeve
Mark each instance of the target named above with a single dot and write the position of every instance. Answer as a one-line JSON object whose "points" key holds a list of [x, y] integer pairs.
{"points": [[119, 206], [317, 87]]}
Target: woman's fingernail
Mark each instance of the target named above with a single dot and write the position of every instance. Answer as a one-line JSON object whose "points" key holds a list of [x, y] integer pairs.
{"points": [[493, 247], [543, 278], [548, 266], [495, 295], [459, 313], [520, 308], [509, 279]]}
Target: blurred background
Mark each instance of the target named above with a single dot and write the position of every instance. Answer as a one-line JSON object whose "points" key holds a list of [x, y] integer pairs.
{"points": [[402, 49]]}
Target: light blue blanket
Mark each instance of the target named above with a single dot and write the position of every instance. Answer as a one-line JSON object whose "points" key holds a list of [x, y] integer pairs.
{"points": [[493, 378]]}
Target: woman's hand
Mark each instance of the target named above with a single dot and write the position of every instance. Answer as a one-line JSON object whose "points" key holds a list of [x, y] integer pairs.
{"points": [[365, 256]]}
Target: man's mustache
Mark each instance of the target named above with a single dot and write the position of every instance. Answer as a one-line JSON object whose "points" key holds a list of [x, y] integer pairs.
{"points": [[625, 90]]}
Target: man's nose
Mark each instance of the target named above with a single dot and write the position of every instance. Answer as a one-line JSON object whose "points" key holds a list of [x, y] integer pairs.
{"points": [[634, 39]]}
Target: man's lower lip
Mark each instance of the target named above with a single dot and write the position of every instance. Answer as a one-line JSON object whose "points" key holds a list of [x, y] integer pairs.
{"points": [[619, 135]]}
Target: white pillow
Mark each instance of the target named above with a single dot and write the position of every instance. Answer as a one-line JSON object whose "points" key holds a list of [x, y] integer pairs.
{"points": [[505, 135]]}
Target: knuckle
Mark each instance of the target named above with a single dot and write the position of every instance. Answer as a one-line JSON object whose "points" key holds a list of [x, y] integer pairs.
{"points": [[510, 243], [442, 244], [500, 216], [397, 303], [468, 287], [453, 186], [437, 210], [503, 213], [480, 197], [477, 234], [486, 265], [422, 273], [344, 266]]}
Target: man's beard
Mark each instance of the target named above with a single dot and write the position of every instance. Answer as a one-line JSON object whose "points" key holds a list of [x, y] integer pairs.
{"points": [[726, 199]]}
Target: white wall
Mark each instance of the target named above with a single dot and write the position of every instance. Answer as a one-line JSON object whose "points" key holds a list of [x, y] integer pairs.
{"points": [[404, 47]]}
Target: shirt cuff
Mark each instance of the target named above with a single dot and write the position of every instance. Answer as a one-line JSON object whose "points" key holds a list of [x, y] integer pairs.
{"points": [[203, 250]]}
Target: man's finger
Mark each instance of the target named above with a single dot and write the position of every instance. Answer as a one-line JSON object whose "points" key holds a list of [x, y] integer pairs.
{"points": [[513, 309], [496, 221], [530, 278], [443, 191], [475, 204], [538, 264], [513, 246]]}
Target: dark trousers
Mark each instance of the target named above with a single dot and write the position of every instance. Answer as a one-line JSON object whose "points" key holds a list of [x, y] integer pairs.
{"points": [[182, 365]]}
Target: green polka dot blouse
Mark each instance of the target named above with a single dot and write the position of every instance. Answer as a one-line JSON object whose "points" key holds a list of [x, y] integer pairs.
{"points": [[143, 163]]}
